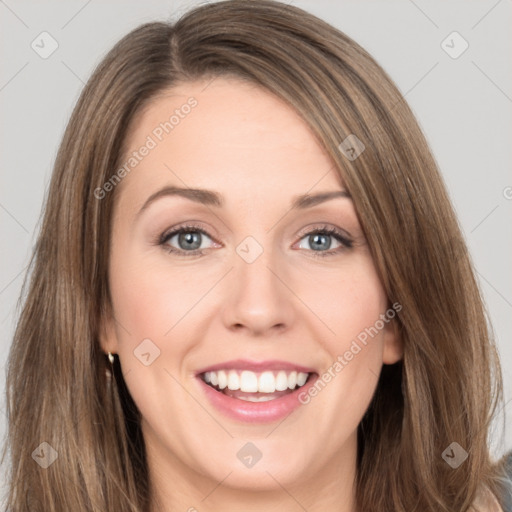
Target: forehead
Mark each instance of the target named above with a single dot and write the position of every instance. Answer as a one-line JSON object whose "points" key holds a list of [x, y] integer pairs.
{"points": [[228, 132]]}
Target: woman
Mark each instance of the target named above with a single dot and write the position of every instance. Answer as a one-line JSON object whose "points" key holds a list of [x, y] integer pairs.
{"points": [[254, 369]]}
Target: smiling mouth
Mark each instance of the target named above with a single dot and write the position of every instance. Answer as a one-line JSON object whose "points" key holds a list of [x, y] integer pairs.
{"points": [[255, 387]]}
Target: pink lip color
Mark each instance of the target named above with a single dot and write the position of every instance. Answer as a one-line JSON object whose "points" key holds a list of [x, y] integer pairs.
{"points": [[256, 366], [256, 412]]}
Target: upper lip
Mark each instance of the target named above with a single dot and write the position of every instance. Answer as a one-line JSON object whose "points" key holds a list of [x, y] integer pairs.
{"points": [[256, 366]]}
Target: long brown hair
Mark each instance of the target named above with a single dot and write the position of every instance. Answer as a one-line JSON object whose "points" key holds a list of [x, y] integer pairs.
{"points": [[445, 390]]}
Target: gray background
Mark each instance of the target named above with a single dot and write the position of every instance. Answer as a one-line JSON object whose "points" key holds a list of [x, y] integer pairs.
{"points": [[464, 106]]}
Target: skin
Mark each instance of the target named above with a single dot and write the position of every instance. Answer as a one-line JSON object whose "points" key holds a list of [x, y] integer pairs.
{"points": [[199, 310]]}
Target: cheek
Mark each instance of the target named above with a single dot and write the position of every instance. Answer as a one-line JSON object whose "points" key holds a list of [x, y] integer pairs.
{"points": [[350, 306], [348, 301], [149, 303], [352, 310], [151, 298]]}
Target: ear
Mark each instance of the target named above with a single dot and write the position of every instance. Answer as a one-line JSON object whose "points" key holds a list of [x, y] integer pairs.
{"points": [[393, 349], [107, 333]]}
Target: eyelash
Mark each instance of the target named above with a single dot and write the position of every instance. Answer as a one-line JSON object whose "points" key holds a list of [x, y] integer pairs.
{"points": [[345, 242]]}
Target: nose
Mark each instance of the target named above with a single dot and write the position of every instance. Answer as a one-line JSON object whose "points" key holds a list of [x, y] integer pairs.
{"points": [[261, 300]]}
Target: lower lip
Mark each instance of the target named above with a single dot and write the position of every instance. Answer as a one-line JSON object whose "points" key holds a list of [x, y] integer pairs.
{"points": [[256, 412]]}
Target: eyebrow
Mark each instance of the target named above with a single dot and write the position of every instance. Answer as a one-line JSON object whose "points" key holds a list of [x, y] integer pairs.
{"points": [[211, 198]]}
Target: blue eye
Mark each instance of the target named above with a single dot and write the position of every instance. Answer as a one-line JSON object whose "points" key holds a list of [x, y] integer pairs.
{"points": [[320, 238], [189, 239]]}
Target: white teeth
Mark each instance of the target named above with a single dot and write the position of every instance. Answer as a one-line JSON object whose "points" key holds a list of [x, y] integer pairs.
{"points": [[266, 383], [251, 382], [281, 381], [223, 379], [248, 382], [233, 380], [301, 379], [292, 380], [256, 398]]}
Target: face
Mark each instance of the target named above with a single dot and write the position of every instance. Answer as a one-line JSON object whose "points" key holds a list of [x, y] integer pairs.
{"points": [[256, 283]]}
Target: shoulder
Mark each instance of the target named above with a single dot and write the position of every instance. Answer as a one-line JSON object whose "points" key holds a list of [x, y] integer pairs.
{"points": [[485, 501]]}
